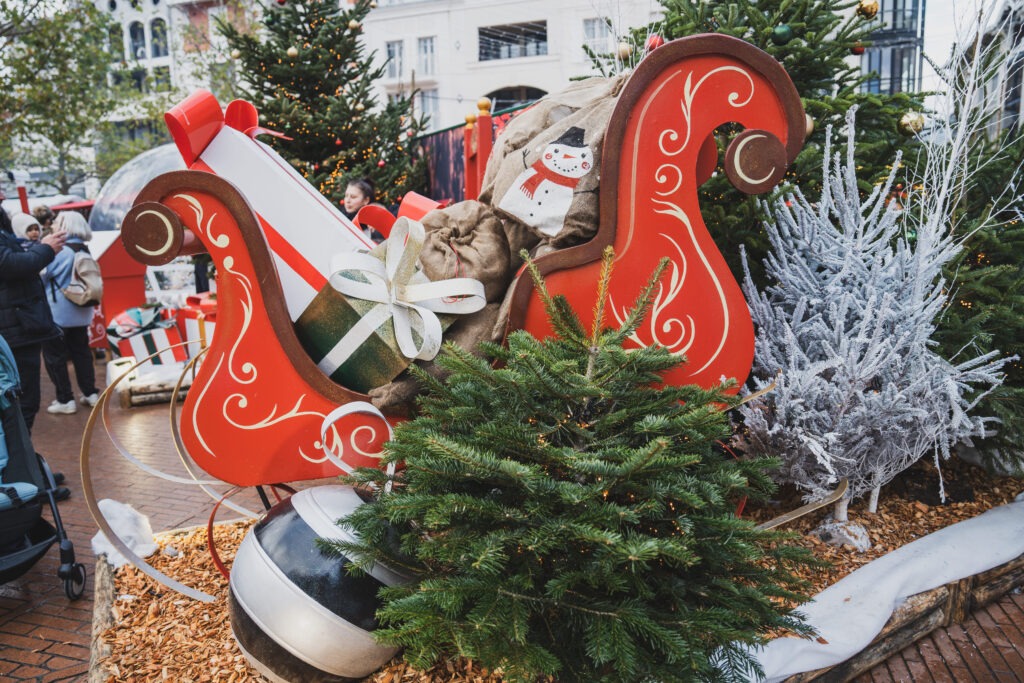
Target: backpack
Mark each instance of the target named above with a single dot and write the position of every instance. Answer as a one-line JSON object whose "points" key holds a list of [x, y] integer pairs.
{"points": [[86, 286]]}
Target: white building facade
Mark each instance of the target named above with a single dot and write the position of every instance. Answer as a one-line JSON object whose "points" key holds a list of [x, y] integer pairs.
{"points": [[457, 51]]}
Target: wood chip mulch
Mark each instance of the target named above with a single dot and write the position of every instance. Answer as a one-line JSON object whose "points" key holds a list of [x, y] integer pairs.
{"points": [[158, 635]]}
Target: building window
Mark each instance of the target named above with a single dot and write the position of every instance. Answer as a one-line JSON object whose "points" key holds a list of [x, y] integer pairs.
{"points": [[137, 40], [158, 37], [138, 76], [429, 105], [162, 78], [425, 61], [394, 52], [597, 36], [899, 15], [890, 70], [507, 98], [513, 40], [116, 36]]}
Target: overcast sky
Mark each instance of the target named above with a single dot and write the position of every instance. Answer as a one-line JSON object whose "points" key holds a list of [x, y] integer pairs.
{"points": [[944, 20]]}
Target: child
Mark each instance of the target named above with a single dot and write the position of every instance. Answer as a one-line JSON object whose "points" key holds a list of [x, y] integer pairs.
{"points": [[360, 193]]}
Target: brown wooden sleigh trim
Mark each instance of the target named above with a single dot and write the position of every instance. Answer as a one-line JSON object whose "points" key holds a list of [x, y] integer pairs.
{"points": [[144, 232], [661, 59], [920, 615]]}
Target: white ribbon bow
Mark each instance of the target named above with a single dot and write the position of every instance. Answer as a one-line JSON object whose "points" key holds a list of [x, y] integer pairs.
{"points": [[402, 293]]}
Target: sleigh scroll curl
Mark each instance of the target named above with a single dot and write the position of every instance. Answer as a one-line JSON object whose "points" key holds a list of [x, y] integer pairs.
{"points": [[255, 409], [659, 147]]}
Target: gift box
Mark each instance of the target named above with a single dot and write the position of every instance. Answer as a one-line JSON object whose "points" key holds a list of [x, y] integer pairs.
{"points": [[302, 227], [163, 340], [196, 321], [378, 312], [199, 328]]}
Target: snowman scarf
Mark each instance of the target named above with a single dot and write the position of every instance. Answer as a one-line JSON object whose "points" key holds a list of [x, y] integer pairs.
{"points": [[542, 173]]}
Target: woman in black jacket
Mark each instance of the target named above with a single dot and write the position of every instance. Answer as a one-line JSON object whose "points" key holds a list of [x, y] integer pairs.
{"points": [[25, 320]]}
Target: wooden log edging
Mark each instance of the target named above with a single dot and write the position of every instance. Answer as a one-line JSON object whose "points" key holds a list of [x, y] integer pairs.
{"points": [[921, 614]]}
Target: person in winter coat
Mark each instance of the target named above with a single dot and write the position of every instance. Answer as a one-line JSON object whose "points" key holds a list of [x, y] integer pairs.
{"points": [[25, 319], [26, 228], [73, 319]]}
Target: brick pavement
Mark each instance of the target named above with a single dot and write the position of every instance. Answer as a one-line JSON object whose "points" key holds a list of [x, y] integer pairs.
{"points": [[45, 637]]}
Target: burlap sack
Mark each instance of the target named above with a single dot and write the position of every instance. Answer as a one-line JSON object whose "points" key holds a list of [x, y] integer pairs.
{"points": [[399, 397], [543, 170], [467, 240]]}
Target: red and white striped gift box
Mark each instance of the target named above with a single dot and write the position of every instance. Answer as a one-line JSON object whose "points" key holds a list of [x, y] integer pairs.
{"points": [[165, 340], [302, 227]]}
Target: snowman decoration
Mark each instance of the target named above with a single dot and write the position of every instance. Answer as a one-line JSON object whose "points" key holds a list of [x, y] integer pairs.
{"points": [[540, 196]]}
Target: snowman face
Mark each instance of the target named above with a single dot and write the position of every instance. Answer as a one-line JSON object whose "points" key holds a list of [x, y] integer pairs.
{"points": [[568, 161]]}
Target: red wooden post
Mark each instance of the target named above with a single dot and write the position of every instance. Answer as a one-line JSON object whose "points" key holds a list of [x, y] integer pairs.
{"points": [[478, 140], [471, 188], [484, 140]]}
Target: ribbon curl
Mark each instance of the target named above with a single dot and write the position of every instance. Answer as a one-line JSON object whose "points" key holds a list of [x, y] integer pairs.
{"points": [[402, 293]]}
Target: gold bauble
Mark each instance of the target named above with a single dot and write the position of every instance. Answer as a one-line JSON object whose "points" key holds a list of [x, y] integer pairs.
{"points": [[912, 123], [867, 8], [808, 125], [359, 106], [625, 50], [373, 5], [353, 25], [293, 52], [236, 53]]}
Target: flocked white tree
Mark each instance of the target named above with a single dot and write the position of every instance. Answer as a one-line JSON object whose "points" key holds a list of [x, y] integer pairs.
{"points": [[845, 332]]}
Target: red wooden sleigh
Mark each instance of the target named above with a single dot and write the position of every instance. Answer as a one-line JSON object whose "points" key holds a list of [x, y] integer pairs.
{"points": [[256, 408]]}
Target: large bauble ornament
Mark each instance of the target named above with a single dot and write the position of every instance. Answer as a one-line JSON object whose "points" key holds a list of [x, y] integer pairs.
{"points": [[858, 48], [867, 8], [912, 123], [624, 50], [296, 612], [292, 52], [782, 34]]}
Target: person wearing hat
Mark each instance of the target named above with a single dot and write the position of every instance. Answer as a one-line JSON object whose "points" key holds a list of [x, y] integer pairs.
{"points": [[25, 320], [26, 228]]}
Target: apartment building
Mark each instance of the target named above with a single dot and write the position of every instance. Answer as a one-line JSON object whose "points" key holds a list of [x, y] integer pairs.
{"points": [[457, 51]]}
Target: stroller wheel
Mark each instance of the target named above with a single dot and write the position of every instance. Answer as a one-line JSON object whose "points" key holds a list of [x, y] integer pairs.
{"points": [[74, 585]]}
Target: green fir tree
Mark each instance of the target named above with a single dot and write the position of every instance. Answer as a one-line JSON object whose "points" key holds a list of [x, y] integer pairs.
{"points": [[986, 311], [566, 514], [308, 73], [813, 40]]}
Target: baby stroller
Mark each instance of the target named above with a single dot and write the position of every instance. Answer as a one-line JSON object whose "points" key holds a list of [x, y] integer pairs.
{"points": [[25, 482]]}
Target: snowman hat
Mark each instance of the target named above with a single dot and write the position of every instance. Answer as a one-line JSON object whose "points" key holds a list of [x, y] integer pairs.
{"points": [[572, 137]]}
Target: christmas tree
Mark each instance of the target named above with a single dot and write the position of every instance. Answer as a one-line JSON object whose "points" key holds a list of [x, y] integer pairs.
{"points": [[308, 73], [845, 333], [813, 40], [568, 515]]}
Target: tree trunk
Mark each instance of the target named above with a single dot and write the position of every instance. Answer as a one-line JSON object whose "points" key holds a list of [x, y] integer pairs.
{"points": [[873, 500], [839, 512]]}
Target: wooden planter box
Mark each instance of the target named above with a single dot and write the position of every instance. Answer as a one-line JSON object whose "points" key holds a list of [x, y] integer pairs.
{"points": [[921, 614]]}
